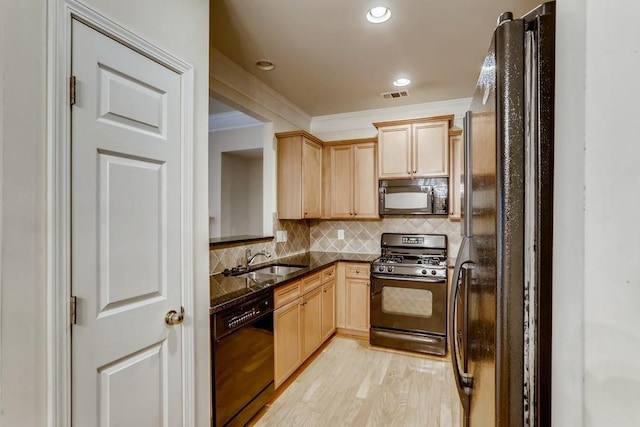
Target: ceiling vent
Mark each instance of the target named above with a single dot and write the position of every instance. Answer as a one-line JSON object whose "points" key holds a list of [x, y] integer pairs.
{"points": [[395, 95]]}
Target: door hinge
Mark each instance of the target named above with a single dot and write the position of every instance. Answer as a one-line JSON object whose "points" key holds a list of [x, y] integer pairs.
{"points": [[72, 90], [72, 310]]}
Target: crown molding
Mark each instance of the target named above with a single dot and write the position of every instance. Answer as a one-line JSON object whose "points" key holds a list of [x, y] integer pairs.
{"points": [[228, 79], [364, 119], [231, 120]]}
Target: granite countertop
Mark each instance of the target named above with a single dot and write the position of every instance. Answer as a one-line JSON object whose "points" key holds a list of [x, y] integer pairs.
{"points": [[226, 291]]}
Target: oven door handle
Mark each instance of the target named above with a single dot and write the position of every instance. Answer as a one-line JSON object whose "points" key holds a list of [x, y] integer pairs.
{"points": [[463, 379], [410, 279]]}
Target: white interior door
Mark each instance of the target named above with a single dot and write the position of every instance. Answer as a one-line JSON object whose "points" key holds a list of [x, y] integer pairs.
{"points": [[125, 232]]}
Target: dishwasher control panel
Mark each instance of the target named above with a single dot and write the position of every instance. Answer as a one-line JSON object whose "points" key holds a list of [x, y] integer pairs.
{"points": [[244, 313]]}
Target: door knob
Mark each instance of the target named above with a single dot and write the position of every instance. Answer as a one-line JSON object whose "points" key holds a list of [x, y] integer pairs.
{"points": [[174, 318]]}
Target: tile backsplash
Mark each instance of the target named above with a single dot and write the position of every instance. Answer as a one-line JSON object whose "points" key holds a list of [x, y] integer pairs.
{"points": [[322, 236], [364, 236], [234, 254]]}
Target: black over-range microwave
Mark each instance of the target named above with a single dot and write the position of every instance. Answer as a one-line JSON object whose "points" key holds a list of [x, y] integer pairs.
{"points": [[423, 196]]}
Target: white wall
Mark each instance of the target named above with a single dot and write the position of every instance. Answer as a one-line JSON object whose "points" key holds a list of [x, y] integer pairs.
{"points": [[255, 195], [182, 29], [22, 276], [612, 163], [234, 140], [569, 216], [241, 195], [596, 333], [246, 93]]}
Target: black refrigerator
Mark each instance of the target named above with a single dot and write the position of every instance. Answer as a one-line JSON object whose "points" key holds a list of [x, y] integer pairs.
{"points": [[500, 303]]}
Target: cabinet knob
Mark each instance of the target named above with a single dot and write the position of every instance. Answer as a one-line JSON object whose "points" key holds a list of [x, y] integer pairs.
{"points": [[415, 171]]}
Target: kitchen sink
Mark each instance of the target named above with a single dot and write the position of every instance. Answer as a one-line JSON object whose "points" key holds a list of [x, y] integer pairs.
{"points": [[258, 277], [278, 270]]}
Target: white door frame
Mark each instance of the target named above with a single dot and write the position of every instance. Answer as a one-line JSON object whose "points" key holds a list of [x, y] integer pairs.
{"points": [[59, 16]]}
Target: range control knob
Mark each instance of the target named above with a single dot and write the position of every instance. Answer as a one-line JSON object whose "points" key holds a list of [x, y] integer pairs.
{"points": [[389, 269], [424, 271], [433, 272], [381, 268]]}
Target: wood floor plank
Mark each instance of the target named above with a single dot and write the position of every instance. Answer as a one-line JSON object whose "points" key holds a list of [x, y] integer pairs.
{"points": [[351, 383]]}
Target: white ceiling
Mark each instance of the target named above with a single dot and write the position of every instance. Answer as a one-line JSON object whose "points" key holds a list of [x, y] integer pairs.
{"points": [[329, 59]]}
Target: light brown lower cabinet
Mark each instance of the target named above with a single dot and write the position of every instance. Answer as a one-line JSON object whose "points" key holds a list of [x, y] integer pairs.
{"points": [[328, 309], [301, 325], [357, 305], [312, 321], [287, 331], [353, 299]]}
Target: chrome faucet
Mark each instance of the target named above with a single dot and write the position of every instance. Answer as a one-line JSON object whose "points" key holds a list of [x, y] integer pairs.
{"points": [[250, 258]]}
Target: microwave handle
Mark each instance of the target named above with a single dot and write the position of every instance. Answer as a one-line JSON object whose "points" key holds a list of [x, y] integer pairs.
{"points": [[432, 201]]}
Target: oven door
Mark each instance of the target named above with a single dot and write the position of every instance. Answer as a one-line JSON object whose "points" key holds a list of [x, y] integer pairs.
{"points": [[412, 305]]}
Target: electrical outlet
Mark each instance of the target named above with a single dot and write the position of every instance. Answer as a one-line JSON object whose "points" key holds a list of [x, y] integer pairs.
{"points": [[340, 234], [281, 236]]}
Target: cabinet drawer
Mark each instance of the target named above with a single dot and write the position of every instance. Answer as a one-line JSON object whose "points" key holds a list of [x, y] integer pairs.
{"points": [[286, 294], [309, 283], [328, 274], [357, 271]]}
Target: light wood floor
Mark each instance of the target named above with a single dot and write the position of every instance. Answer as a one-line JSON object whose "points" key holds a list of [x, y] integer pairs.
{"points": [[351, 383]]}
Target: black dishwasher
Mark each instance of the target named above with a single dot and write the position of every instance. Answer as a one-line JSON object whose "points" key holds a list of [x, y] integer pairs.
{"points": [[242, 352]]}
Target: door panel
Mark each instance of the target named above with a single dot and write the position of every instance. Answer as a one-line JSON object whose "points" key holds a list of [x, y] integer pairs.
{"points": [[130, 389], [131, 271], [311, 179], [126, 207], [365, 187], [341, 182], [328, 310], [126, 101], [358, 304], [312, 321], [394, 145], [431, 149]]}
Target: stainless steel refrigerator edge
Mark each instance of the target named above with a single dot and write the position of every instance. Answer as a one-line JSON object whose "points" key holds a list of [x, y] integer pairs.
{"points": [[500, 305]]}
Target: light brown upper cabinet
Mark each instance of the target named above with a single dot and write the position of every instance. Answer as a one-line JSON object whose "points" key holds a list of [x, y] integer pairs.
{"points": [[350, 182], [414, 148], [456, 147], [299, 175]]}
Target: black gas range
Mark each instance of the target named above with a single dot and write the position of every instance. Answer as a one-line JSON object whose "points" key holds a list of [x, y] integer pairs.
{"points": [[409, 293]]}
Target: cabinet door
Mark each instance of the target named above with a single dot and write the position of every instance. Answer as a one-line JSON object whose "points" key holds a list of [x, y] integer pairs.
{"points": [[312, 321], [328, 309], [341, 181], [394, 152], [365, 182], [358, 304], [287, 340], [430, 149], [455, 172], [311, 179], [289, 178]]}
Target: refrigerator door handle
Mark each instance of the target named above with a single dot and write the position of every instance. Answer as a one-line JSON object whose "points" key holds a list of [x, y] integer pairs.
{"points": [[463, 379]]}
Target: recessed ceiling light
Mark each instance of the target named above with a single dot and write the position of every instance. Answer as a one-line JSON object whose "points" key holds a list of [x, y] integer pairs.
{"points": [[378, 15], [265, 65], [401, 82]]}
